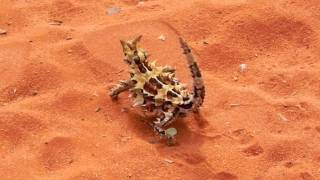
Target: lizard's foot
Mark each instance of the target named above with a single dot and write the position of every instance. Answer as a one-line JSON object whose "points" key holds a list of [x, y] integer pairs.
{"points": [[113, 95], [171, 133]]}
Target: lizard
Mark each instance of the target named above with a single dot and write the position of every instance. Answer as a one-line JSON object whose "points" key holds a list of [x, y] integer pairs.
{"points": [[156, 89]]}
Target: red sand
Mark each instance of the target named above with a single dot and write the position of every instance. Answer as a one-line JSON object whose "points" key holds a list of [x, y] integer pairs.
{"points": [[260, 124]]}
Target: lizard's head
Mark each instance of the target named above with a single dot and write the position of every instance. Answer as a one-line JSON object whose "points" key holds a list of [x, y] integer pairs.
{"points": [[132, 53]]}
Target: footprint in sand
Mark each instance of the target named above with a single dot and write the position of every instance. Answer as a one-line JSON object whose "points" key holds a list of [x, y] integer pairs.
{"points": [[57, 153], [16, 128], [225, 176], [243, 136], [253, 150], [34, 79], [266, 32]]}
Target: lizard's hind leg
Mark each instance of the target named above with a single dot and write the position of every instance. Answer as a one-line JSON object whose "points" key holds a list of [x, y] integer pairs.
{"points": [[121, 87]]}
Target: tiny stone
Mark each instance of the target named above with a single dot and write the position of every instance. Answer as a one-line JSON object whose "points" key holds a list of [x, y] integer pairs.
{"points": [[68, 38], [235, 78], [162, 37], [168, 161], [282, 117], [56, 22], [205, 42], [243, 67], [69, 51], [34, 93], [3, 32], [113, 10], [98, 109]]}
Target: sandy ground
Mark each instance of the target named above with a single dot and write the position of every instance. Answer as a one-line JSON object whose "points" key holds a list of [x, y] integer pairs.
{"points": [[57, 121]]}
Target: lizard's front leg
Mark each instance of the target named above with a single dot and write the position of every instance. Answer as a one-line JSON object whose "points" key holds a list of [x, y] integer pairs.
{"points": [[121, 87], [163, 121]]}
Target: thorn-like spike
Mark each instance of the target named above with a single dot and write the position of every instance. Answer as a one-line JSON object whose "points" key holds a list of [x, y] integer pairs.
{"points": [[123, 43], [137, 39]]}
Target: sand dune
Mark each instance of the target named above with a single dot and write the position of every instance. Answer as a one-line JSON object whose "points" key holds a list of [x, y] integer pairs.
{"points": [[58, 58]]}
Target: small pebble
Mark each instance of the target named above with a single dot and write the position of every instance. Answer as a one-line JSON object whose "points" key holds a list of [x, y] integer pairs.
{"points": [[282, 117], [235, 104], [205, 42], [162, 37], [56, 22], [113, 10], [69, 51], [243, 67], [98, 109], [3, 32], [168, 161], [68, 38]]}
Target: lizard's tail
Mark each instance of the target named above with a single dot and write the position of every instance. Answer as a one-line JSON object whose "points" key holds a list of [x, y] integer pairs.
{"points": [[198, 86]]}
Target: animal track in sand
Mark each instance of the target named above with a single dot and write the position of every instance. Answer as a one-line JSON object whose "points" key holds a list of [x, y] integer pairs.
{"points": [[131, 2], [192, 158], [253, 150], [317, 129], [225, 176], [15, 128], [34, 79], [286, 150], [271, 32], [243, 136], [77, 56], [86, 176], [306, 176], [14, 22], [63, 10], [290, 83], [68, 103], [217, 57], [57, 153]]}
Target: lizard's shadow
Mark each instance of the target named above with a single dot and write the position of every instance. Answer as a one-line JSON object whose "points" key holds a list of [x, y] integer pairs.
{"points": [[188, 128], [188, 140]]}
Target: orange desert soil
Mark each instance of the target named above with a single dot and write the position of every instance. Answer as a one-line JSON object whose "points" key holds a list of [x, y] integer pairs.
{"points": [[59, 58]]}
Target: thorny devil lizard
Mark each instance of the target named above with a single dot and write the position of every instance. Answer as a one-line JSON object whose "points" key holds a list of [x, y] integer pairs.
{"points": [[156, 89]]}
